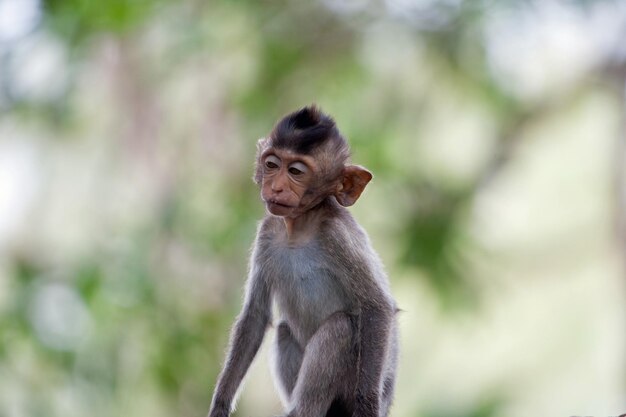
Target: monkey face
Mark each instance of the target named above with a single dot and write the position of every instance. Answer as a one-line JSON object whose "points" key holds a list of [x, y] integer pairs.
{"points": [[286, 178]]}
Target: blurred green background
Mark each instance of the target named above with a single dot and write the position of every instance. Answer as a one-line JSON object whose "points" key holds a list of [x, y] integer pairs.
{"points": [[495, 132]]}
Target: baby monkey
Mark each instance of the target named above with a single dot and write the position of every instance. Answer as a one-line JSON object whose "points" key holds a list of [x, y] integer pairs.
{"points": [[336, 342]]}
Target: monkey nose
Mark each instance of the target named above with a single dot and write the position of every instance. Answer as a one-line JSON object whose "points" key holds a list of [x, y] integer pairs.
{"points": [[278, 186]]}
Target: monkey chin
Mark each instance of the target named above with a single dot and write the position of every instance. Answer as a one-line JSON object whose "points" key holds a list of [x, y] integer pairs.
{"points": [[278, 209]]}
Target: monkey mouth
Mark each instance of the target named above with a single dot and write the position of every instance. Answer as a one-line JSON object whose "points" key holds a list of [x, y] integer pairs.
{"points": [[279, 204], [278, 209]]}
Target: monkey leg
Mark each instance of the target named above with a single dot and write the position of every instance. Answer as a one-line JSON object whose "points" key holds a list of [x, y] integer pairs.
{"points": [[287, 362], [325, 371]]}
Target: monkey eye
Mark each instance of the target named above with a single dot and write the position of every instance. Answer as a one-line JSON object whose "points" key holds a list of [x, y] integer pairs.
{"points": [[272, 162], [297, 168]]}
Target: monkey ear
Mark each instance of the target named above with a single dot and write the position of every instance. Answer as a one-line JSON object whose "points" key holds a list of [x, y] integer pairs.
{"points": [[353, 182]]}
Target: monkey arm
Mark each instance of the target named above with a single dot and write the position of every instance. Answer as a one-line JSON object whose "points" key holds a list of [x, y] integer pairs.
{"points": [[374, 335], [245, 340]]}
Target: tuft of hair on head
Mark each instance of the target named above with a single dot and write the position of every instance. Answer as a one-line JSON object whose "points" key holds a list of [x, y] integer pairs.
{"points": [[304, 130], [306, 117]]}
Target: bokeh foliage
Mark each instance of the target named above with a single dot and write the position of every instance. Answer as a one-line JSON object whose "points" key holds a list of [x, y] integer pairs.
{"points": [[119, 293]]}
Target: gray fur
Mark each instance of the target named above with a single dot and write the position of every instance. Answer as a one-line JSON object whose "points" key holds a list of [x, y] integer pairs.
{"points": [[336, 343]]}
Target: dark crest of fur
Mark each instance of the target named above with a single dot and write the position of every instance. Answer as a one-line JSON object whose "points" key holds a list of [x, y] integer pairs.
{"points": [[304, 130]]}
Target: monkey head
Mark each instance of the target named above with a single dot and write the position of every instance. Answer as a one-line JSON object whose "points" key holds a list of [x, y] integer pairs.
{"points": [[304, 161]]}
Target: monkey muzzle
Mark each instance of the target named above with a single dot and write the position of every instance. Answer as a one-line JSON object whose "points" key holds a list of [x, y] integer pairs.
{"points": [[278, 208]]}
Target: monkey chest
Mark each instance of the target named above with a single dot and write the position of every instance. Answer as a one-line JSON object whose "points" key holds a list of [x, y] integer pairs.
{"points": [[305, 289]]}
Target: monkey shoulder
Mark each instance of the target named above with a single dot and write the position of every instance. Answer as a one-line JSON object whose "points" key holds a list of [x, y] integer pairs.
{"points": [[348, 241], [349, 246]]}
